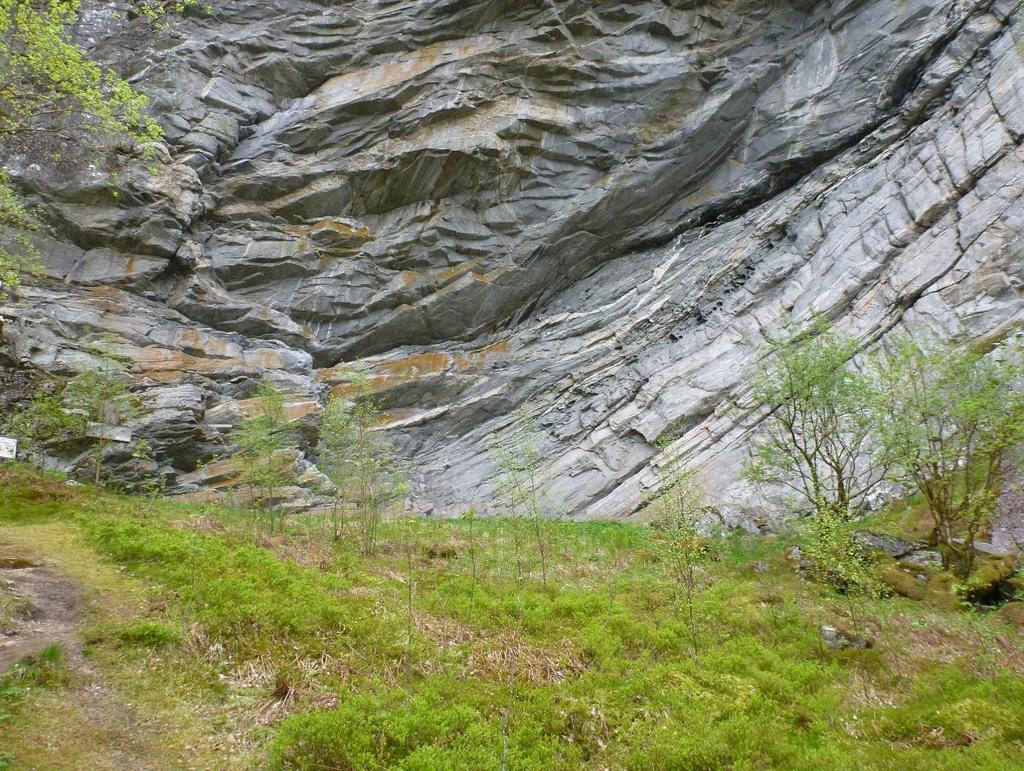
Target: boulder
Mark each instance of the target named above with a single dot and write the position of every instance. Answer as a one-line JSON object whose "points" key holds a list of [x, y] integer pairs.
{"points": [[905, 584], [877, 543], [988, 581]]}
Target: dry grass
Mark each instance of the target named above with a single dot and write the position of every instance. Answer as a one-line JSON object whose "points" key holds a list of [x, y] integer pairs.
{"points": [[507, 656]]}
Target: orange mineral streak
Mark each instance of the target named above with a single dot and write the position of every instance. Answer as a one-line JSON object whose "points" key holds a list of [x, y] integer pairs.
{"points": [[209, 346], [341, 228], [164, 365], [222, 474], [476, 360], [295, 409], [385, 375], [352, 86]]}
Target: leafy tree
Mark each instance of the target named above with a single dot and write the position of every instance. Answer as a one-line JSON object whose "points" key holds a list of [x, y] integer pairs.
{"points": [[359, 461], [103, 397], [53, 96], [838, 560], [678, 508], [94, 396], [816, 436], [946, 417], [262, 436], [44, 420], [520, 458]]}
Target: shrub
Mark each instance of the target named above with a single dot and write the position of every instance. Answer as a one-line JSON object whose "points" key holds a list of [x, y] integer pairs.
{"points": [[148, 634]]}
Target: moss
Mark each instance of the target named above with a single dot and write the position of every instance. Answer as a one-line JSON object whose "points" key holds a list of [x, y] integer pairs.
{"points": [[903, 584], [148, 634], [985, 582], [1013, 588], [1013, 612], [941, 592]]}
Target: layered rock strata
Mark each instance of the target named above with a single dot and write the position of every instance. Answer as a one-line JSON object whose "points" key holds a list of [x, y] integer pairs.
{"points": [[588, 214]]}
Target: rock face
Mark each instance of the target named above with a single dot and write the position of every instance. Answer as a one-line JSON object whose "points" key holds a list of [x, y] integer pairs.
{"points": [[584, 213]]}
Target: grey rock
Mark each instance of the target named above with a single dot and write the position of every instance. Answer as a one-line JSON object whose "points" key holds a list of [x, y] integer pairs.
{"points": [[588, 214], [886, 544], [838, 639], [922, 558], [1008, 528]]}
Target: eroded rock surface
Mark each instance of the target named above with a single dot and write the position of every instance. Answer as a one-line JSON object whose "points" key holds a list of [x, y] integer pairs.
{"points": [[585, 213]]}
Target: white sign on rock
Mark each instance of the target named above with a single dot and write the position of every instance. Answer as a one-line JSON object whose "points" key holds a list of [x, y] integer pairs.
{"points": [[8, 447], [113, 433]]}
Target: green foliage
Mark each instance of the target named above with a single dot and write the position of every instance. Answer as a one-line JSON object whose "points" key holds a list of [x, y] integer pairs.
{"points": [[18, 254], [148, 634], [434, 729], [52, 96], [101, 396], [47, 74], [45, 669], [535, 676], [679, 506], [263, 435], [63, 413], [46, 419], [521, 488], [359, 461], [246, 598], [815, 438], [838, 559], [946, 416]]}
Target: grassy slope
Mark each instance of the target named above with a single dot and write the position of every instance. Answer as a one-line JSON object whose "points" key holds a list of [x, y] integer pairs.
{"points": [[298, 652]]}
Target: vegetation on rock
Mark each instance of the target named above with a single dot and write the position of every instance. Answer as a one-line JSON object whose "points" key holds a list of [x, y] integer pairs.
{"points": [[54, 96]]}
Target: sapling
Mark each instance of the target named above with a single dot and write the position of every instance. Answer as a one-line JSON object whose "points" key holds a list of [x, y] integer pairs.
{"points": [[262, 436], [679, 506], [358, 459], [838, 560], [519, 459], [101, 396], [45, 420], [409, 595], [470, 518]]}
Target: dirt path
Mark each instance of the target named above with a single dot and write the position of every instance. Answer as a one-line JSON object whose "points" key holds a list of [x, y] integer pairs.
{"points": [[124, 708], [47, 606]]}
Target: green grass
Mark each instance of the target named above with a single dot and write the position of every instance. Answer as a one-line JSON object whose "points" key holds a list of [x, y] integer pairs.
{"points": [[312, 652], [46, 669]]}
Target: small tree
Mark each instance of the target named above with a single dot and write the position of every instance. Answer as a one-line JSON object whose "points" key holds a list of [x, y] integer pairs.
{"points": [[262, 436], [151, 485], [359, 460], [520, 458], [678, 508], [103, 397], [45, 420], [816, 437], [839, 560], [470, 519], [946, 416], [64, 413]]}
